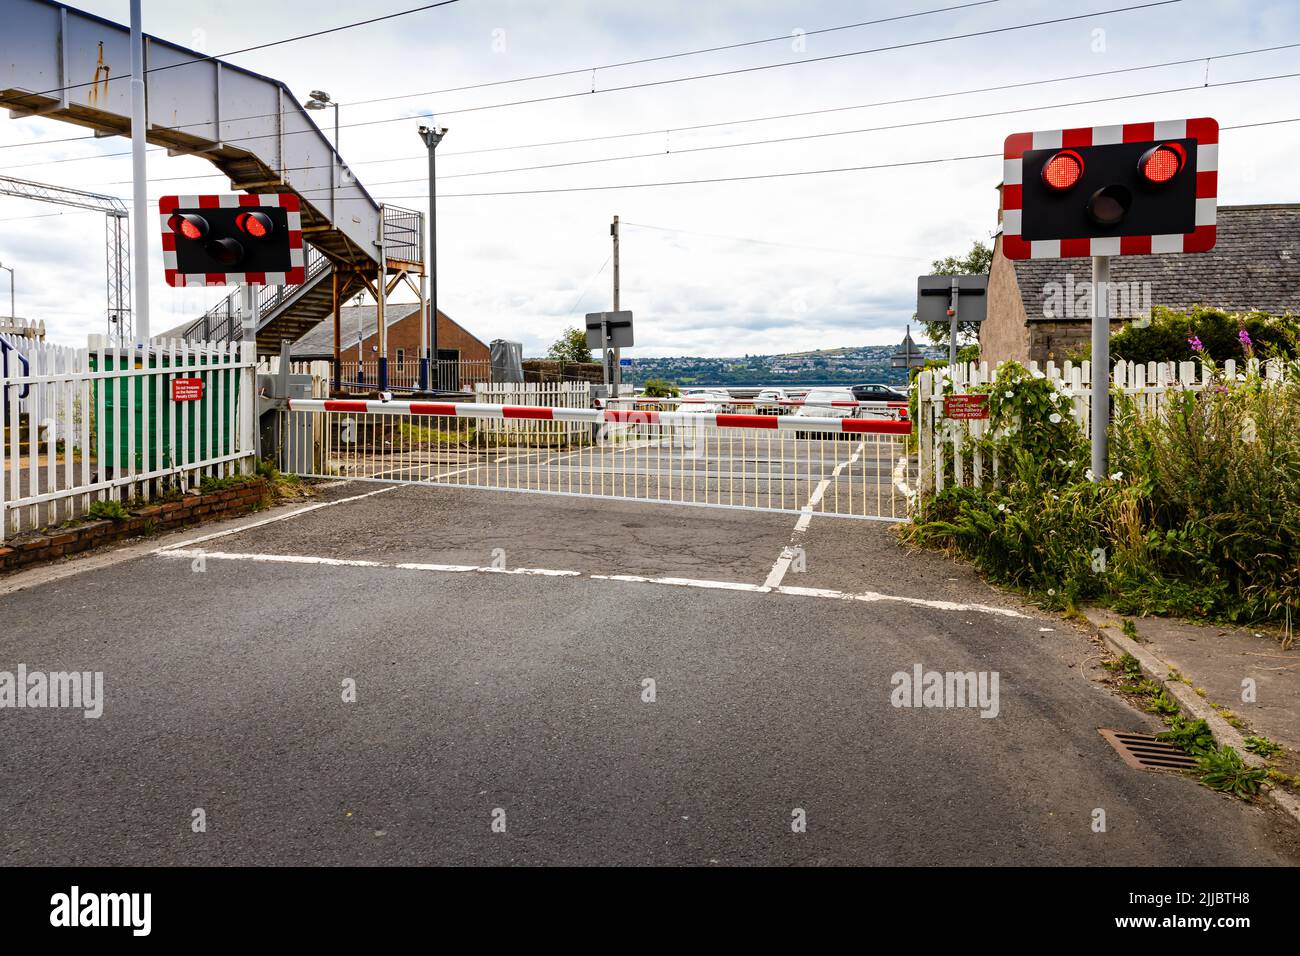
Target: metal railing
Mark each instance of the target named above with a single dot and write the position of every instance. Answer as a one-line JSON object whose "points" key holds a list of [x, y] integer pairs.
{"points": [[223, 323], [859, 468], [403, 234], [404, 376]]}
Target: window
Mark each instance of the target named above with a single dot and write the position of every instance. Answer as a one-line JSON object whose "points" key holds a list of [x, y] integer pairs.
{"points": [[401, 356]]}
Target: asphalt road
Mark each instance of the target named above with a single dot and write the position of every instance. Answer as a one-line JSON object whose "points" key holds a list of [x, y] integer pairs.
{"points": [[480, 691]]}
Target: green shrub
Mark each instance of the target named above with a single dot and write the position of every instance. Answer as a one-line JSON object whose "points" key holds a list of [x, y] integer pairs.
{"points": [[1166, 338], [1200, 515]]}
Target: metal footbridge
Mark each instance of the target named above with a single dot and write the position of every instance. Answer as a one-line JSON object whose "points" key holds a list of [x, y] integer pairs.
{"points": [[61, 63]]}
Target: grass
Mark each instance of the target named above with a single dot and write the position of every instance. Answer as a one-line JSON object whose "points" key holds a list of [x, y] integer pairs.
{"points": [[1199, 518]]}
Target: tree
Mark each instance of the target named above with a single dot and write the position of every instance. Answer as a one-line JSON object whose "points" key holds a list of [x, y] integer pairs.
{"points": [[658, 388], [571, 346], [976, 262]]}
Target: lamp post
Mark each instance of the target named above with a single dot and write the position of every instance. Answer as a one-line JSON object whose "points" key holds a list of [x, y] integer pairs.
{"points": [[431, 137], [321, 100], [12, 313]]}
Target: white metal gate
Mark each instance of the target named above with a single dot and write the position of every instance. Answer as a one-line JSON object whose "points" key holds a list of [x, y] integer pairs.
{"points": [[848, 467]]}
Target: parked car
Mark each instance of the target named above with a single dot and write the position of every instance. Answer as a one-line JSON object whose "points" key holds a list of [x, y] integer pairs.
{"points": [[769, 402], [705, 401], [875, 392], [826, 403]]}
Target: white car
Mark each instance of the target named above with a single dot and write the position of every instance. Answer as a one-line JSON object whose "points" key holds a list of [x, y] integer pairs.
{"points": [[826, 403], [705, 401], [769, 402]]}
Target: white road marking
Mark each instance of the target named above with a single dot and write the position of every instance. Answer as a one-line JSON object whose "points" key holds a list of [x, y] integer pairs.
{"points": [[273, 519], [872, 596], [683, 582], [316, 507], [782, 565], [823, 593]]}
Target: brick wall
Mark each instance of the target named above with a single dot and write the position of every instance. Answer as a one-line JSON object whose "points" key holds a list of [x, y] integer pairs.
{"points": [[1003, 333], [405, 335], [27, 550]]}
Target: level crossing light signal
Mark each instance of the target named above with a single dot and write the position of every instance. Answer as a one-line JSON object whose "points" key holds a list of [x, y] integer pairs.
{"points": [[244, 239], [1132, 189], [258, 225]]}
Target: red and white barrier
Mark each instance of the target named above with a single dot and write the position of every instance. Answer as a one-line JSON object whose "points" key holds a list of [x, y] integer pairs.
{"points": [[597, 416], [846, 403]]}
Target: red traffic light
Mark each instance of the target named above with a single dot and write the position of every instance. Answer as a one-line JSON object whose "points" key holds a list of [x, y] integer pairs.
{"points": [[1063, 170], [189, 225], [225, 251], [1162, 163], [256, 224]]}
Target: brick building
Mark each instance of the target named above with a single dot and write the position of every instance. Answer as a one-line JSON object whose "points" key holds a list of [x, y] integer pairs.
{"points": [[1039, 309]]}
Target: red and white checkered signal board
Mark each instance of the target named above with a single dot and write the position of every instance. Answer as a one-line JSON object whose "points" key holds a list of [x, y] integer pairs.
{"points": [[295, 274], [1205, 133]]}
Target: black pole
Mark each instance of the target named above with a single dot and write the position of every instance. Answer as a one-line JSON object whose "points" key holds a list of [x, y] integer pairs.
{"points": [[433, 265]]}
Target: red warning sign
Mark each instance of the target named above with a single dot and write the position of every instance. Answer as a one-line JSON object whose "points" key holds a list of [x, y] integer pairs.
{"points": [[965, 407], [187, 389]]}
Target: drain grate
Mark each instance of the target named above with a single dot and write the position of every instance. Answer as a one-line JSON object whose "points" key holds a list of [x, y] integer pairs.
{"points": [[1144, 752]]}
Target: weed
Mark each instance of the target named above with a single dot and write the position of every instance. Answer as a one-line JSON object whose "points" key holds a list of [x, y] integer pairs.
{"points": [[1263, 746], [1224, 770], [112, 510], [1192, 735]]}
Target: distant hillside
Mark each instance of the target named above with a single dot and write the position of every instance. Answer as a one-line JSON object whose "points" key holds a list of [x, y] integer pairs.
{"points": [[841, 366]]}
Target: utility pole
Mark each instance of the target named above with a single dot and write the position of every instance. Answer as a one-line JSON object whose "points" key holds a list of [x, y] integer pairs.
{"points": [[139, 179], [431, 137], [616, 373]]}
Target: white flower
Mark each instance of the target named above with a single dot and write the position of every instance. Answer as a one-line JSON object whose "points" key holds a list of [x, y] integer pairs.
{"points": [[1089, 475], [1054, 418], [1051, 591], [1010, 394], [1002, 507], [1117, 476]]}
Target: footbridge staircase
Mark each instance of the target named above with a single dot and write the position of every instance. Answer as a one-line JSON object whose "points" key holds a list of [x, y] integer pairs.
{"points": [[61, 63]]}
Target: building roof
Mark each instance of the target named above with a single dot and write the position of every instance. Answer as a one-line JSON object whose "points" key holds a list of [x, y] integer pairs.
{"points": [[1254, 266], [319, 341]]}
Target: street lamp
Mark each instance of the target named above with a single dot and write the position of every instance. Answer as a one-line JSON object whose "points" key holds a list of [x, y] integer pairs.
{"points": [[13, 314], [431, 137], [320, 101]]}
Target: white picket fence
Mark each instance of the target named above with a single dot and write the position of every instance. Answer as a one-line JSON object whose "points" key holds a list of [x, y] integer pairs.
{"points": [[100, 423], [545, 394], [949, 454]]}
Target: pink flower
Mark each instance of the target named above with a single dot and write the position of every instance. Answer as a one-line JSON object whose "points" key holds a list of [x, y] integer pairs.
{"points": [[1195, 343], [1244, 338]]}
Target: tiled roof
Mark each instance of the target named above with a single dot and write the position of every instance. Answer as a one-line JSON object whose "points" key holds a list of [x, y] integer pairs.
{"points": [[320, 339], [1255, 265]]}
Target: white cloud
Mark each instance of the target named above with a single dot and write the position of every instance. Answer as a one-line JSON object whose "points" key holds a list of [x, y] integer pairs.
{"points": [[847, 247]]}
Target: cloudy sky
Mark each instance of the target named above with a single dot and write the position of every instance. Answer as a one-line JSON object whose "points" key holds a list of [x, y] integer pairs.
{"points": [[724, 268]]}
